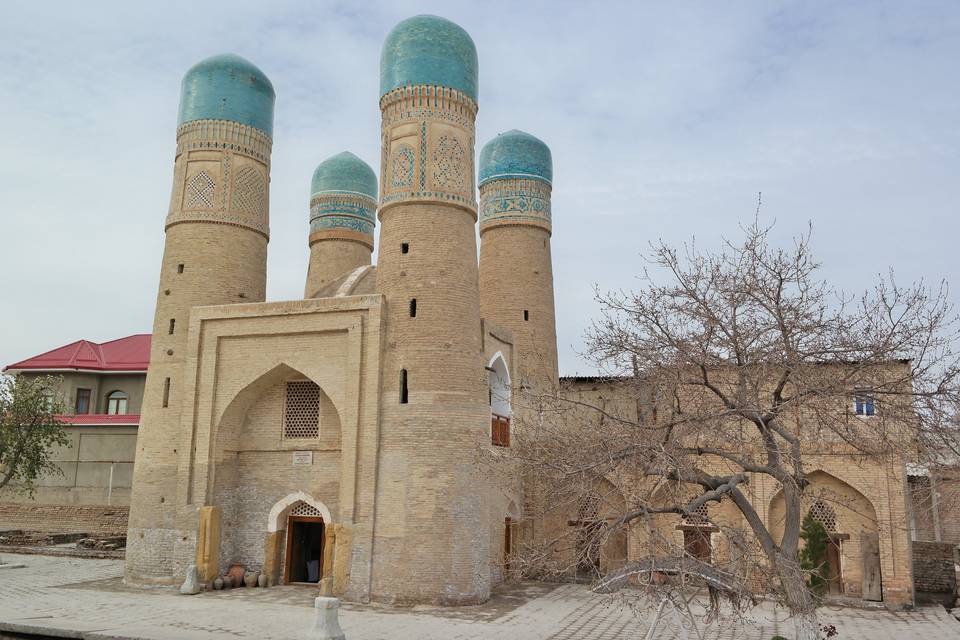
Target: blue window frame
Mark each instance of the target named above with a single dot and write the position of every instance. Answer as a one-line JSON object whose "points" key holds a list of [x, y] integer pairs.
{"points": [[865, 403]]}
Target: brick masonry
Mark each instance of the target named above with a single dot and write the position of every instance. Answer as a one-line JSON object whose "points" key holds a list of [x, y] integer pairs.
{"points": [[933, 567], [61, 518]]}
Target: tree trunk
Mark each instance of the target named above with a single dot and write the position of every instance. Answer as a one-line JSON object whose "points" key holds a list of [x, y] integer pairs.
{"points": [[806, 626], [798, 599]]}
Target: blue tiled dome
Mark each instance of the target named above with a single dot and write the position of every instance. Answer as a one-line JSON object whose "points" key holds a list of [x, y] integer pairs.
{"points": [[227, 87], [515, 154], [429, 50], [344, 173]]}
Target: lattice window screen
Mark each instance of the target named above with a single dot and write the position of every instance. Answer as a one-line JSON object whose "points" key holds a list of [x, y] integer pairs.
{"points": [[825, 515], [304, 509], [700, 515], [589, 508], [301, 411]]}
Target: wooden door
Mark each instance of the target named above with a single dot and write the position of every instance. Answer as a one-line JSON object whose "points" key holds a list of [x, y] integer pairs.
{"points": [[696, 542], [870, 555], [304, 545], [834, 583]]}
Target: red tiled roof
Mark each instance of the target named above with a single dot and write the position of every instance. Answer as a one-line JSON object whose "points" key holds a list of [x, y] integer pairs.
{"points": [[126, 354], [101, 419]]}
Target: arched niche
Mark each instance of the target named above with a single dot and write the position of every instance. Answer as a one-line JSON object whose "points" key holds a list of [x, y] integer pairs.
{"points": [[254, 466], [499, 381], [852, 510], [851, 520]]}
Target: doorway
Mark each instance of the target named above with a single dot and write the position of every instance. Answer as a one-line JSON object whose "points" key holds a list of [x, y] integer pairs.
{"points": [[304, 561], [697, 543]]}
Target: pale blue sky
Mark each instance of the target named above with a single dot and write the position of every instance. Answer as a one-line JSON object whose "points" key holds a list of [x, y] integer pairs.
{"points": [[665, 120]]}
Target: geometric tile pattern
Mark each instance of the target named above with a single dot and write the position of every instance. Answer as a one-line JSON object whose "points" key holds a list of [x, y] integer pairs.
{"points": [[401, 167], [200, 191], [448, 157], [248, 191]]}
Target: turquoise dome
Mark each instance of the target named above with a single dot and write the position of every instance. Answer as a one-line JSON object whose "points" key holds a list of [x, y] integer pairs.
{"points": [[344, 173], [516, 154], [227, 87], [429, 50]]}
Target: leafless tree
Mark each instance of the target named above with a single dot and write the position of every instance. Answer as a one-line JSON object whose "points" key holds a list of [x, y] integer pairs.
{"points": [[733, 368]]}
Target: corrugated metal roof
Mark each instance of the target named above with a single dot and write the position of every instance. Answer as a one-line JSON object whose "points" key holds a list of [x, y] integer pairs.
{"points": [[125, 354], [96, 419]]}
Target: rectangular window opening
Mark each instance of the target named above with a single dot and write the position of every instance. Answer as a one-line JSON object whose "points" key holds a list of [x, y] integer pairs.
{"points": [[404, 247], [83, 401], [173, 324], [413, 307], [864, 402], [166, 392], [404, 396], [526, 315], [180, 268]]}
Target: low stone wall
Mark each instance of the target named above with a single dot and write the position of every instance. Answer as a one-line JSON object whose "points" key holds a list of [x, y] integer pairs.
{"points": [[63, 518], [933, 570]]}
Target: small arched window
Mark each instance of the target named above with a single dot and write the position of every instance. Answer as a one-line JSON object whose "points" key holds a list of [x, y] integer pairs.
{"points": [[117, 403]]}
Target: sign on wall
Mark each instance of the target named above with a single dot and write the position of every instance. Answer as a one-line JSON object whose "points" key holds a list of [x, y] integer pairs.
{"points": [[302, 457]]}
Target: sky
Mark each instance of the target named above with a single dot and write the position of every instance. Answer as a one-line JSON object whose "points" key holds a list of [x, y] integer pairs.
{"points": [[665, 119]]}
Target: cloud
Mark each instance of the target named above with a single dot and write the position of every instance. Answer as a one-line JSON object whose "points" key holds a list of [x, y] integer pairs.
{"points": [[665, 120]]}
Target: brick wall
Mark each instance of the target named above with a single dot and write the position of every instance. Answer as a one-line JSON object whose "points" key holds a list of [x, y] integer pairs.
{"points": [[933, 570], [57, 518]]}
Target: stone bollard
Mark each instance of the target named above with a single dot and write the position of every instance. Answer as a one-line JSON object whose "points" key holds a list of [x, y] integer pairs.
{"points": [[191, 585], [325, 625]]}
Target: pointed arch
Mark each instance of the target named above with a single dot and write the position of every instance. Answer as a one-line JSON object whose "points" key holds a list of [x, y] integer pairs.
{"points": [[277, 518], [499, 380], [847, 509], [259, 382]]}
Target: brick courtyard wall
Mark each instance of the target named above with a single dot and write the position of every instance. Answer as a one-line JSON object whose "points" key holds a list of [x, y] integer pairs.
{"points": [[56, 518], [933, 570]]}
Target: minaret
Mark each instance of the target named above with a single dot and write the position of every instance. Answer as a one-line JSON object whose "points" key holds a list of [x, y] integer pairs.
{"points": [[343, 199], [516, 271], [432, 533], [215, 253]]}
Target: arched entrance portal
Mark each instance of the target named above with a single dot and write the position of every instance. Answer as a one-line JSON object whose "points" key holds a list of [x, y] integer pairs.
{"points": [[304, 546], [300, 521]]}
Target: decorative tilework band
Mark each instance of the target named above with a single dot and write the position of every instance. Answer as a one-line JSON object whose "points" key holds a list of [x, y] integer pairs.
{"points": [[221, 175], [342, 216], [428, 147], [514, 201]]}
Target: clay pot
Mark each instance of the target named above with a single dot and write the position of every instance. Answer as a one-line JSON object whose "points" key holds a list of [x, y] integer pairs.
{"points": [[227, 581], [262, 580], [236, 572], [250, 579], [218, 584]]}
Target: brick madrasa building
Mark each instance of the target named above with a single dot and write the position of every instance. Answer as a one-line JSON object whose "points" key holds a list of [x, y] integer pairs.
{"points": [[349, 419], [335, 436]]}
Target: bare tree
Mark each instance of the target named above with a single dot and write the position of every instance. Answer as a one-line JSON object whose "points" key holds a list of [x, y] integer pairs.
{"points": [[29, 428], [736, 366]]}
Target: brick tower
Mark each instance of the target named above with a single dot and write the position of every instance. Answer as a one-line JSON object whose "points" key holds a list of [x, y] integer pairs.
{"points": [[432, 535], [516, 270], [215, 253], [343, 199]]}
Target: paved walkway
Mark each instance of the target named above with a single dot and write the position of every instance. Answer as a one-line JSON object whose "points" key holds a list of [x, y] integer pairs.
{"points": [[81, 598]]}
